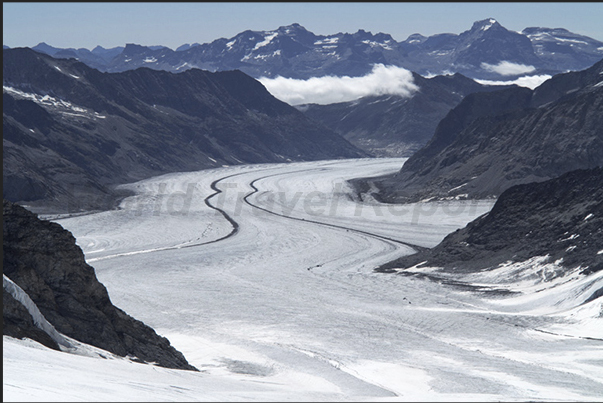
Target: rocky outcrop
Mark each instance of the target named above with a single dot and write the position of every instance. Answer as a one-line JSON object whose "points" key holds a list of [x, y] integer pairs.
{"points": [[561, 218], [43, 260]]}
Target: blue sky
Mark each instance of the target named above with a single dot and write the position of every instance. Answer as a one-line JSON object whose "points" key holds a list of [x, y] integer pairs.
{"points": [[86, 25]]}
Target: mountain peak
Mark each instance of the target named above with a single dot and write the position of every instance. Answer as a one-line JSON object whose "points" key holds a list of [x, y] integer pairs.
{"points": [[45, 48], [43, 45], [295, 27], [416, 38], [361, 33], [133, 48], [485, 25]]}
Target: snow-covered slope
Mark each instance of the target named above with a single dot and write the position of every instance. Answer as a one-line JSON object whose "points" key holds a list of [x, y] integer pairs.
{"points": [[560, 48], [288, 307]]}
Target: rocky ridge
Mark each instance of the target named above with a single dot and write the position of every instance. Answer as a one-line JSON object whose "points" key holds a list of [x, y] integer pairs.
{"points": [[561, 218]]}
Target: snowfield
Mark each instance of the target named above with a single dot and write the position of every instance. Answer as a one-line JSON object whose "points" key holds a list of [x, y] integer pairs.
{"points": [[262, 276]]}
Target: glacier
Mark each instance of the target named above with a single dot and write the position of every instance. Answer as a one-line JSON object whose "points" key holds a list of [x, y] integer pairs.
{"points": [[262, 276]]}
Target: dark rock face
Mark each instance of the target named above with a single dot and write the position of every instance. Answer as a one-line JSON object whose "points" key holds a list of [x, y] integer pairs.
{"points": [[395, 126], [561, 217], [70, 133], [492, 141], [42, 258]]}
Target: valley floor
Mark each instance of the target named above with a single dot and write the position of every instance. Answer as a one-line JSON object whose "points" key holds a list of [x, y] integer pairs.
{"points": [[262, 276]]}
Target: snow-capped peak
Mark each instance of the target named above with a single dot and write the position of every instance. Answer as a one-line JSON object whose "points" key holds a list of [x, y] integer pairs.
{"points": [[288, 29], [484, 25], [491, 22]]}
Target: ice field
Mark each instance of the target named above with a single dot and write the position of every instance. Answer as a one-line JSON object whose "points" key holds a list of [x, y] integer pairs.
{"points": [[262, 276]]}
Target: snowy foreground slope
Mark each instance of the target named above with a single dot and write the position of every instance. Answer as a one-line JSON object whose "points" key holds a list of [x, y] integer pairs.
{"points": [[273, 297]]}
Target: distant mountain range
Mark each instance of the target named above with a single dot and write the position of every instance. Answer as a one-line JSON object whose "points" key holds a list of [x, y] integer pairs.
{"points": [[486, 51], [71, 132], [494, 140]]}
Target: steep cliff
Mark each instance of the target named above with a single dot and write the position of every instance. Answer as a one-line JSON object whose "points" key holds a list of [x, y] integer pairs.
{"points": [[43, 260]]}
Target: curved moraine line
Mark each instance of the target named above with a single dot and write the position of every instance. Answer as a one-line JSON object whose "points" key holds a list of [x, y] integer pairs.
{"points": [[235, 225], [255, 190], [235, 228]]}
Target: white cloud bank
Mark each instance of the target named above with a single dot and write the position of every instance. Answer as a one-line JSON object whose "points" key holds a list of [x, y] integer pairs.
{"points": [[527, 81], [382, 80], [506, 68]]}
